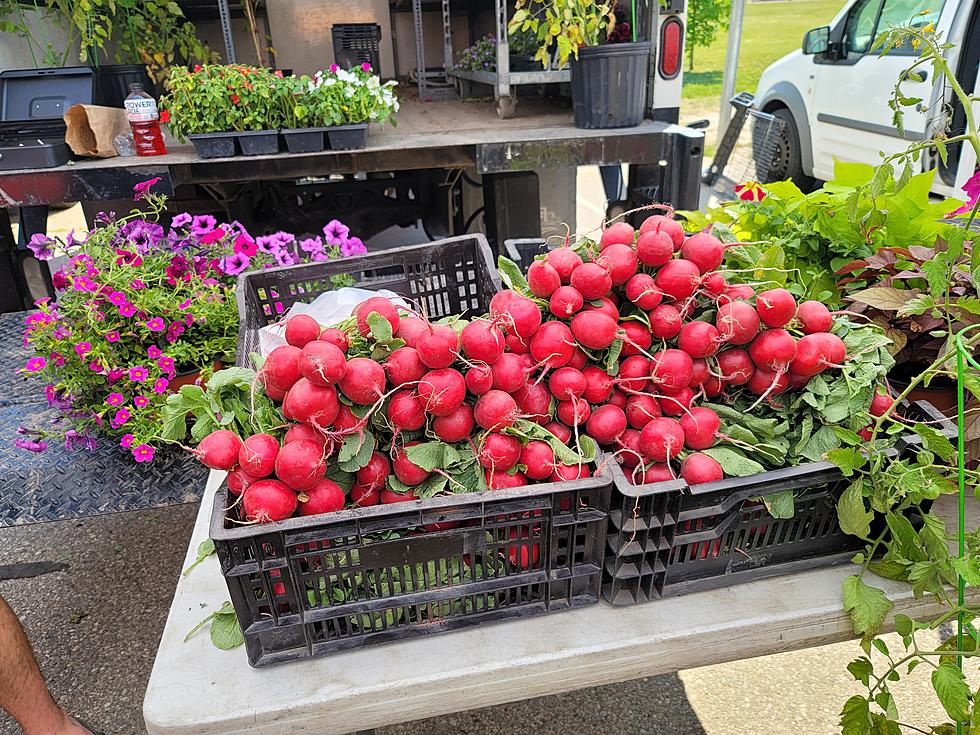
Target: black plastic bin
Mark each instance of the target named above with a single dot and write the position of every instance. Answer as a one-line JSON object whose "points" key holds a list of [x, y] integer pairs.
{"points": [[258, 142], [609, 85], [347, 137], [669, 538], [112, 83], [303, 140], [523, 250], [355, 43], [214, 145]]}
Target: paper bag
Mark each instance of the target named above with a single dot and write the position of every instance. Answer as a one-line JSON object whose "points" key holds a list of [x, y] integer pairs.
{"points": [[91, 129]]}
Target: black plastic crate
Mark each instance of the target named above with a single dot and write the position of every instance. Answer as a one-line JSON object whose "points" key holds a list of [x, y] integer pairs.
{"points": [[670, 538], [308, 587], [523, 250], [441, 278], [355, 43]]}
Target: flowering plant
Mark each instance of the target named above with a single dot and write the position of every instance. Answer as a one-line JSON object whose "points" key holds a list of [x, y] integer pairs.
{"points": [[343, 96], [139, 304], [481, 56]]}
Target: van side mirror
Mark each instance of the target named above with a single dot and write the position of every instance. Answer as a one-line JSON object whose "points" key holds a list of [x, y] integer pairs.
{"points": [[816, 40]]}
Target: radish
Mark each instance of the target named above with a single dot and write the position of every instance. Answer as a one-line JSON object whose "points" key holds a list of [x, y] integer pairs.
{"points": [[698, 468], [678, 279], [662, 223], [773, 350], [322, 363], [620, 260], [880, 404], [619, 398], [797, 382], [508, 373], [606, 306], [404, 366], [376, 305], [701, 373], [642, 291], [375, 473], [699, 339], [553, 344], [521, 315], [324, 497], [219, 450], [632, 448], [364, 381], [566, 472], [363, 497], [598, 384], [704, 250], [654, 249], [306, 432], [479, 379], [736, 292], [281, 368], [592, 280], [564, 260], [636, 338], [542, 279], [257, 455], [634, 372], [390, 496], [499, 452], [534, 401], [573, 412], [539, 459], [410, 328], [499, 479], [700, 427], [274, 392], [578, 360], [565, 301], [640, 409], [672, 370], [516, 344], [442, 391], [301, 329], [816, 352], [238, 480], [814, 317], [677, 404], [606, 424], [714, 284], [336, 337], [764, 382], [665, 322], [312, 404], [406, 470], [657, 472], [495, 410], [776, 308], [482, 341], [736, 366], [560, 430], [438, 346], [455, 426], [405, 411], [268, 500], [345, 423], [737, 323], [713, 386], [618, 233], [593, 329], [662, 439], [300, 464]]}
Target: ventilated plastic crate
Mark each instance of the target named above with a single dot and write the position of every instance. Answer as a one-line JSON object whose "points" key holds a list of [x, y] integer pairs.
{"points": [[308, 587], [671, 538], [523, 250], [355, 43], [441, 278]]}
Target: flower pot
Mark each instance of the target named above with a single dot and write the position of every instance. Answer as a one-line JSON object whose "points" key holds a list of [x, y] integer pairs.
{"points": [[609, 85], [214, 145], [190, 377], [304, 140], [259, 142], [347, 137], [524, 63]]}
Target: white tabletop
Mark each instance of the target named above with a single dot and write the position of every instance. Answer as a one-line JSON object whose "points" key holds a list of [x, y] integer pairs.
{"points": [[196, 688]]}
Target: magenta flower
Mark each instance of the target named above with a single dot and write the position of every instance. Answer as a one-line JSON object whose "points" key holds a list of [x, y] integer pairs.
{"points": [[136, 284], [59, 279], [153, 352], [334, 68], [127, 441], [117, 298], [202, 224], [41, 245], [181, 220], [366, 66], [112, 336], [166, 364], [30, 445], [352, 246], [156, 324], [143, 453], [115, 399], [185, 304], [121, 417], [160, 386], [143, 188], [138, 374], [232, 265], [244, 245], [284, 258], [268, 244], [83, 348], [174, 331], [35, 364], [115, 374], [96, 367], [336, 232], [140, 401], [311, 245], [127, 310], [57, 359]]}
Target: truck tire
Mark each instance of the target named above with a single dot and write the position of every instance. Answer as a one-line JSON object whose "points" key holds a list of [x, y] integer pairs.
{"points": [[787, 162]]}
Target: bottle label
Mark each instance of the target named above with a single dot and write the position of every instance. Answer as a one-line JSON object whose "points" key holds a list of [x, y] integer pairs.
{"points": [[142, 109]]}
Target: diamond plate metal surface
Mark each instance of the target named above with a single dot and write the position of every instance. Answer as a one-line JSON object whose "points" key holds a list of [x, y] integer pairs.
{"points": [[60, 484]]}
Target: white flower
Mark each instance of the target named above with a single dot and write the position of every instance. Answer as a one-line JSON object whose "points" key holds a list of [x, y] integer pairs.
{"points": [[330, 82], [373, 83]]}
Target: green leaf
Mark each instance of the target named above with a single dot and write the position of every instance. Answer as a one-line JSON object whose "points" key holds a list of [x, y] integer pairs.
{"points": [[885, 298], [905, 536], [588, 448], [848, 459], [204, 550], [934, 440], [855, 718], [612, 359], [733, 462], [861, 669], [852, 515], [380, 327], [228, 376], [432, 455], [511, 274], [781, 504], [344, 479], [356, 451], [952, 691], [903, 625], [937, 274], [226, 633], [866, 605]]}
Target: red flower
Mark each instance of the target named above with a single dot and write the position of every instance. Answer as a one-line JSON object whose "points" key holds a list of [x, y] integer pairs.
{"points": [[197, 68], [165, 116], [234, 99]]}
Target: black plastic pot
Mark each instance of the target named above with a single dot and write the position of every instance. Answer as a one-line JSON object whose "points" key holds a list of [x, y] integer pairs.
{"points": [[347, 137], [524, 63], [259, 142], [304, 140], [112, 83], [609, 85], [214, 145]]}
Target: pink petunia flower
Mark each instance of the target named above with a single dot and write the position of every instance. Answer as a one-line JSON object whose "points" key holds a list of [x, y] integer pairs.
{"points": [[156, 324], [115, 399], [136, 284], [185, 304], [143, 453], [153, 352], [143, 188], [112, 336], [57, 359], [140, 401], [83, 348], [127, 441], [121, 417], [160, 386], [166, 364], [35, 364], [127, 310], [138, 374], [117, 298]]}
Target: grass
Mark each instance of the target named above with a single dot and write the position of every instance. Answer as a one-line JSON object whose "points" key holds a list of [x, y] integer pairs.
{"points": [[771, 30]]}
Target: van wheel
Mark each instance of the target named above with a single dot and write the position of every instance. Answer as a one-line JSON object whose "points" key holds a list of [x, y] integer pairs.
{"points": [[787, 163]]}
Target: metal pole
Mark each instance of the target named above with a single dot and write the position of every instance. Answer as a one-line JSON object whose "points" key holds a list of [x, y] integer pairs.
{"points": [[224, 16], [731, 65]]}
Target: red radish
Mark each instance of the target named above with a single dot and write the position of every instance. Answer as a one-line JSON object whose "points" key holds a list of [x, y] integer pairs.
{"points": [[617, 233], [500, 480], [501, 300], [699, 339], [735, 366], [657, 472], [672, 370], [593, 329], [390, 496], [281, 368], [713, 386], [701, 373], [560, 430], [442, 391], [662, 439], [495, 410], [866, 433], [698, 468], [345, 423], [455, 426], [565, 301], [619, 398], [632, 448], [375, 472], [508, 373], [553, 344], [539, 459], [816, 352], [406, 470], [364, 381], [714, 284], [322, 363], [534, 401], [573, 412], [880, 404], [312, 404], [499, 452], [238, 480], [665, 321], [405, 411], [363, 497], [634, 372], [564, 260], [662, 223], [479, 379], [336, 337], [642, 291], [274, 392], [704, 250], [678, 279], [301, 329], [306, 432], [404, 366], [482, 341], [737, 323], [592, 280], [410, 328], [578, 360], [606, 424], [542, 279], [438, 346], [300, 464], [636, 338], [566, 472], [377, 305], [763, 381], [516, 344], [324, 497], [268, 500], [219, 450], [257, 455], [522, 316], [814, 317], [736, 292], [621, 262], [677, 404], [776, 308], [654, 249], [598, 384], [606, 306], [640, 409], [700, 427], [773, 350], [796, 382]]}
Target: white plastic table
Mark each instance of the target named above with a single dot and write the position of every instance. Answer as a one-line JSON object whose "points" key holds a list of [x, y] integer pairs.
{"points": [[196, 688]]}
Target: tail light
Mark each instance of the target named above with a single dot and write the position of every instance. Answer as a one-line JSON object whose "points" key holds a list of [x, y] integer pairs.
{"points": [[671, 47]]}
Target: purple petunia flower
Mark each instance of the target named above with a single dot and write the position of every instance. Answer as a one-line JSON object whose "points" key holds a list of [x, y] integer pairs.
{"points": [[181, 220], [42, 246], [156, 324], [143, 236], [267, 244], [138, 374], [335, 232], [143, 453], [127, 441], [311, 245], [115, 399], [353, 246], [284, 257], [143, 188], [232, 265], [71, 241], [202, 224], [31, 445]]}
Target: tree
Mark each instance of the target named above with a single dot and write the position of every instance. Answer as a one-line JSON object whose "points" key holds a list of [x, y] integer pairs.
{"points": [[704, 18]]}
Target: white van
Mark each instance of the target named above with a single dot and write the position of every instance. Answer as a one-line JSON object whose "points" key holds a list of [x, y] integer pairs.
{"points": [[833, 93]]}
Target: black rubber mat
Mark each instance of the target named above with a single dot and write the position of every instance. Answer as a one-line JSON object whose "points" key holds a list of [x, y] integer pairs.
{"points": [[59, 484]]}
